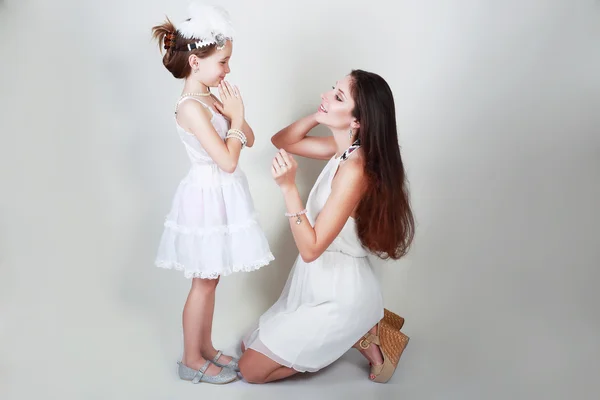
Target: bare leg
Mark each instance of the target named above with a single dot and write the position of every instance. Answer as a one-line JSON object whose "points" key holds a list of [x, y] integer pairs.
{"points": [[207, 349], [280, 373], [194, 314], [372, 353], [258, 368]]}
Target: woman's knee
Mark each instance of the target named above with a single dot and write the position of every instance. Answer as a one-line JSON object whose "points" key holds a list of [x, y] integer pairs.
{"points": [[249, 372]]}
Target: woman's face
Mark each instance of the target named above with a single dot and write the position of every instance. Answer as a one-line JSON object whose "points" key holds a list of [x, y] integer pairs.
{"points": [[336, 106]]}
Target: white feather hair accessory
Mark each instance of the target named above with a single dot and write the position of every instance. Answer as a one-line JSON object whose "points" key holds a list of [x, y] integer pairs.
{"points": [[209, 24]]}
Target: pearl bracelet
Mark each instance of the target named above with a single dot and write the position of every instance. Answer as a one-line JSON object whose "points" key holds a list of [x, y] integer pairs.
{"points": [[236, 137], [297, 215], [237, 134]]}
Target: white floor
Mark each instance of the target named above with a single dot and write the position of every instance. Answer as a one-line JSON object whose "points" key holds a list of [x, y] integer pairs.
{"points": [[104, 354]]}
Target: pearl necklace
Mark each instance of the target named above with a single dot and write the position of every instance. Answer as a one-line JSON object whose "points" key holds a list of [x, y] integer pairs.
{"points": [[196, 94], [206, 94]]}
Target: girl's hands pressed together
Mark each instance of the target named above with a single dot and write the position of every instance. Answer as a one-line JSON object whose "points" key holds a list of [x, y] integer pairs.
{"points": [[233, 105]]}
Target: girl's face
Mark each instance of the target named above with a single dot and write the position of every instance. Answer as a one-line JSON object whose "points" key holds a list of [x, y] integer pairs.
{"points": [[213, 69], [336, 107]]}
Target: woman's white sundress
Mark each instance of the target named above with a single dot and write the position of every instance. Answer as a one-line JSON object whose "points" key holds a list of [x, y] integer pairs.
{"points": [[326, 305], [212, 229]]}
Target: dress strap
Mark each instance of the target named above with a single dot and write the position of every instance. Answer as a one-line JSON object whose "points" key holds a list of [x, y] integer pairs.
{"points": [[349, 150], [183, 98]]}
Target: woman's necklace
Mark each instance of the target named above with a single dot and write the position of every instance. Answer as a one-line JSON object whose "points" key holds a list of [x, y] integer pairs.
{"points": [[349, 150]]}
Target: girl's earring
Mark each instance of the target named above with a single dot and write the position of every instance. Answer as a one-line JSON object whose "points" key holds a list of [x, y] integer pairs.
{"points": [[350, 134]]}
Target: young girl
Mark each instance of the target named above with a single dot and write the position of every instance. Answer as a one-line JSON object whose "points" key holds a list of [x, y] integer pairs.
{"points": [[212, 229]]}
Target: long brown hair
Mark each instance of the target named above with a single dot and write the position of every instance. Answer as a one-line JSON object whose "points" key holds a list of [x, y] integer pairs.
{"points": [[385, 221], [177, 54]]}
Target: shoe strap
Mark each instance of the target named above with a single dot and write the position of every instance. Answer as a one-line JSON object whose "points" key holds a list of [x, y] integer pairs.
{"points": [[367, 340], [376, 369], [200, 372], [219, 353]]}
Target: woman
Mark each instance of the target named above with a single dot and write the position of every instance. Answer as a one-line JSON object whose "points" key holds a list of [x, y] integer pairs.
{"points": [[359, 204]]}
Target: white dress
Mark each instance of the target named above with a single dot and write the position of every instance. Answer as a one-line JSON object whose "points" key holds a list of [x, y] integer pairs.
{"points": [[326, 305], [212, 229]]}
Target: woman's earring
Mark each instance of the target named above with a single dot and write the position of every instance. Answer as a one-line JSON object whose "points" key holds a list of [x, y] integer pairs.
{"points": [[350, 134]]}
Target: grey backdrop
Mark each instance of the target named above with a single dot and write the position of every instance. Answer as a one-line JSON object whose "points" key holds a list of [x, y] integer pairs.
{"points": [[498, 107]]}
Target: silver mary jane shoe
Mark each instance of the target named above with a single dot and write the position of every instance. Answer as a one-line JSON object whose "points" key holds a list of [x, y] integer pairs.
{"points": [[232, 365], [188, 374]]}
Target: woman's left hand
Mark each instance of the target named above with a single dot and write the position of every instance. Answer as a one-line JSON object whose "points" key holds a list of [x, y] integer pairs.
{"points": [[284, 169]]}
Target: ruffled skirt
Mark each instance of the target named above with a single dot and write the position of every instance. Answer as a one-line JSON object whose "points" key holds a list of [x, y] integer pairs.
{"points": [[212, 229]]}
